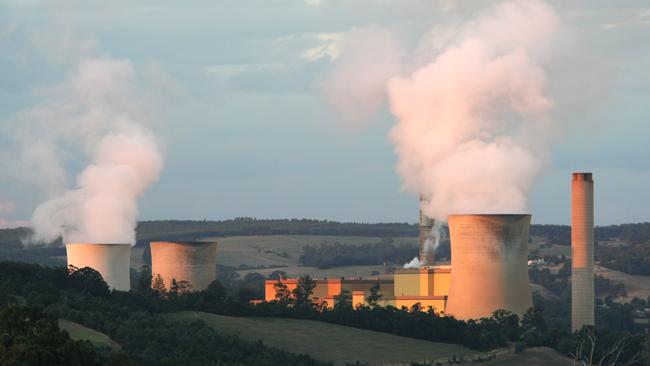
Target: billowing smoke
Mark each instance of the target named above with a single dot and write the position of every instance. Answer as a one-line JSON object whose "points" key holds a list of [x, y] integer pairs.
{"points": [[430, 245], [474, 123], [99, 111], [414, 263], [369, 58]]}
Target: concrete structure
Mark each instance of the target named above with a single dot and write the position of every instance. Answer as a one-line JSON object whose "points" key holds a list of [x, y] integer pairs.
{"points": [[427, 286], [328, 290], [489, 256], [582, 251], [110, 260], [194, 262], [427, 252]]}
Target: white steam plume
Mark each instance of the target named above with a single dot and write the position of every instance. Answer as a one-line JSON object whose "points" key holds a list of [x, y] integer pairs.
{"points": [[357, 90], [99, 111], [474, 124]]}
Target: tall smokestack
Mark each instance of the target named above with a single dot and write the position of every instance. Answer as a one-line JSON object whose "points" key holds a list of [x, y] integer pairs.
{"points": [[582, 251], [110, 260], [427, 249], [489, 269]]}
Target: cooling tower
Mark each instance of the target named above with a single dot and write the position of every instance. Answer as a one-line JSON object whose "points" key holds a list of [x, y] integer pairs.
{"points": [[427, 252], [194, 262], [582, 251], [110, 260], [489, 269]]}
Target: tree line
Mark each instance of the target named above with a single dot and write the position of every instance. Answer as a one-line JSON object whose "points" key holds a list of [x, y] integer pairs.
{"points": [[135, 320], [328, 255]]}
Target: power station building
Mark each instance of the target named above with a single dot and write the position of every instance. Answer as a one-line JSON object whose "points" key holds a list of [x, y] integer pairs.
{"points": [[427, 286], [193, 262], [488, 272], [110, 260]]}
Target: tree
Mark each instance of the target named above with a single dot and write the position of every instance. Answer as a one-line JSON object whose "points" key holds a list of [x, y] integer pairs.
{"points": [[344, 300], [173, 289], [533, 328], [508, 324], [589, 350], [144, 281], [303, 291], [374, 296], [158, 286], [31, 337], [216, 290], [282, 293], [277, 275], [183, 286], [87, 280]]}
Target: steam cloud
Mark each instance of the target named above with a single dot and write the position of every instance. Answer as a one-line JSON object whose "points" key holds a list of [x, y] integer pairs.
{"points": [[99, 111], [474, 124]]}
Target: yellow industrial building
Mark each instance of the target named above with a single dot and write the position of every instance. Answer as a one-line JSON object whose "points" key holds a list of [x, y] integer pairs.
{"points": [[428, 286]]}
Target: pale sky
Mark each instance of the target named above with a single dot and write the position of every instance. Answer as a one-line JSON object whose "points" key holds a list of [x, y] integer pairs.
{"points": [[246, 130]]}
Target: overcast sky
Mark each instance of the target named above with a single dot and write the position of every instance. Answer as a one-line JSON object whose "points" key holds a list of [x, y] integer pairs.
{"points": [[246, 130]]}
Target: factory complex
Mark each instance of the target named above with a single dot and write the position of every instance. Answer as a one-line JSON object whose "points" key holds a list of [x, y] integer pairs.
{"points": [[488, 271], [427, 286]]}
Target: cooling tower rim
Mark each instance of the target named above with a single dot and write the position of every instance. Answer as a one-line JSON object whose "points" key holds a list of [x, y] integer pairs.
{"points": [[188, 243], [489, 215], [103, 244]]}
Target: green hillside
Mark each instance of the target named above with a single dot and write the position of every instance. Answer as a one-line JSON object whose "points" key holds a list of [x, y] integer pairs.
{"points": [[326, 341], [79, 332]]}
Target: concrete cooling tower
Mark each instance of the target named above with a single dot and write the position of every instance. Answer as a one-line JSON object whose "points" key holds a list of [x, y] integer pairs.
{"points": [[489, 269], [582, 251], [427, 251], [110, 260], [194, 262]]}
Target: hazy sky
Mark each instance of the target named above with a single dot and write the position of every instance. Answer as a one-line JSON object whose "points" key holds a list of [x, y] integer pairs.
{"points": [[246, 130]]}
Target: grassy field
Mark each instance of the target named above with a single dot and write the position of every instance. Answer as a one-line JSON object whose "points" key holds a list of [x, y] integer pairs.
{"points": [[284, 250], [540, 356], [327, 342], [79, 332], [636, 286], [271, 250], [553, 249], [346, 271]]}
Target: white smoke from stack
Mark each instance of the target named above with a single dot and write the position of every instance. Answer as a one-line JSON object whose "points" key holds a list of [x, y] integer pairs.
{"points": [[414, 263], [98, 110], [474, 126], [430, 245], [357, 96], [433, 241]]}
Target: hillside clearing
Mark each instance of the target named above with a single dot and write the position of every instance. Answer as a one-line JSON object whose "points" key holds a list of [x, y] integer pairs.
{"points": [[636, 286], [79, 332], [325, 341], [280, 249]]}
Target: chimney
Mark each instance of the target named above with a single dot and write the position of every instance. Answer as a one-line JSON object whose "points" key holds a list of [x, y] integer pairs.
{"points": [[427, 253], [582, 251]]}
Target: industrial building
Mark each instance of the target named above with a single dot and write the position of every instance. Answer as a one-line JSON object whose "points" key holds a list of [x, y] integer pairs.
{"points": [[193, 262], [110, 260], [488, 270], [427, 286]]}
